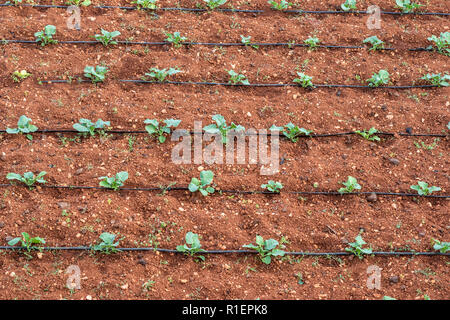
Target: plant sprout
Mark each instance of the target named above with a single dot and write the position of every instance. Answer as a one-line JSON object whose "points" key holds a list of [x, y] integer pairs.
{"points": [[273, 186], [350, 185], [357, 247], [423, 189], [28, 178], [87, 127], [154, 128], [221, 127], [24, 126], [45, 37], [266, 249], [192, 246], [114, 183], [202, 185]]}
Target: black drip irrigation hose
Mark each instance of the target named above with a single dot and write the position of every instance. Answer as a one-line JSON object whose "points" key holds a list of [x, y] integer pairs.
{"points": [[310, 193], [298, 11], [215, 44], [253, 85], [319, 135], [217, 252]]}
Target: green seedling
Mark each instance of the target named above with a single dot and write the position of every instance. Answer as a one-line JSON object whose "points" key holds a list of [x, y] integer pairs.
{"points": [[87, 127], [221, 127], [442, 43], [282, 5], [291, 131], [212, 4], [273, 186], [107, 244], [442, 247], [350, 185], [27, 242], [437, 79], [28, 178], [154, 128], [114, 183], [236, 78], [145, 4], [357, 247], [423, 189], [349, 5], [247, 41], [79, 3], [45, 37], [266, 249], [192, 246], [161, 75], [202, 185], [19, 76], [304, 80], [96, 74], [107, 38], [376, 43], [388, 298], [176, 39], [312, 42], [24, 126], [378, 79], [407, 6], [369, 135]]}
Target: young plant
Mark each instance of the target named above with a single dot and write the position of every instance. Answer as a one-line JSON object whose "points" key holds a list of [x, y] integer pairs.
{"points": [[161, 75], [87, 127], [19, 76], [273, 186], [27, 242], [291, 131], [442, 43], [24, 126], [247, 41], [266, 249], [96, 74], [221, 127], [312, 42], [349, 5], [114, 183], [45, 37], [145, 4], [369, 135], [378, 79], [212, 4], [407, 6], [357, 247], [282, 5], [202, 185], [350, 185], [437, 79], [304, 80], [79, 3], [423, 189], [28, 178], [236, 78], [154, 128], [442, 247], [376, 43], [107, 38], [107, 244], [176, 39], [192, 246]]}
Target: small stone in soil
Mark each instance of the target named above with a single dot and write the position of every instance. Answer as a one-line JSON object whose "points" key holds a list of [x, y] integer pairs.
{"points": [[372, 197], [393, 279], [142, 262], [394, 161], [63, 205], [409, 130], [2, 225]]}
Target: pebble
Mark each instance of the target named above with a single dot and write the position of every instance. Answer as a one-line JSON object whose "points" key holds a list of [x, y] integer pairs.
{"points": [[393, 279], [394, 161], [142, 262], [372, 197], [2, 225], [409, 130], [88, 297], [183, 281]]}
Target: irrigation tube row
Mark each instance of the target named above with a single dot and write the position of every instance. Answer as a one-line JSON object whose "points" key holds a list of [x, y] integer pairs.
{"points": [[215, 44], [310, 193], [216, 252], [294, 11], [259, 85], [312, 135]]}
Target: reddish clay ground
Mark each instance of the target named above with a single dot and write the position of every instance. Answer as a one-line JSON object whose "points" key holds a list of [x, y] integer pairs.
{"points": [[224, 222]]}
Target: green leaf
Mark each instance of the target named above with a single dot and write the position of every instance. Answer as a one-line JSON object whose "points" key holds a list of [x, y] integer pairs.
{"points": [[14, 241]]}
